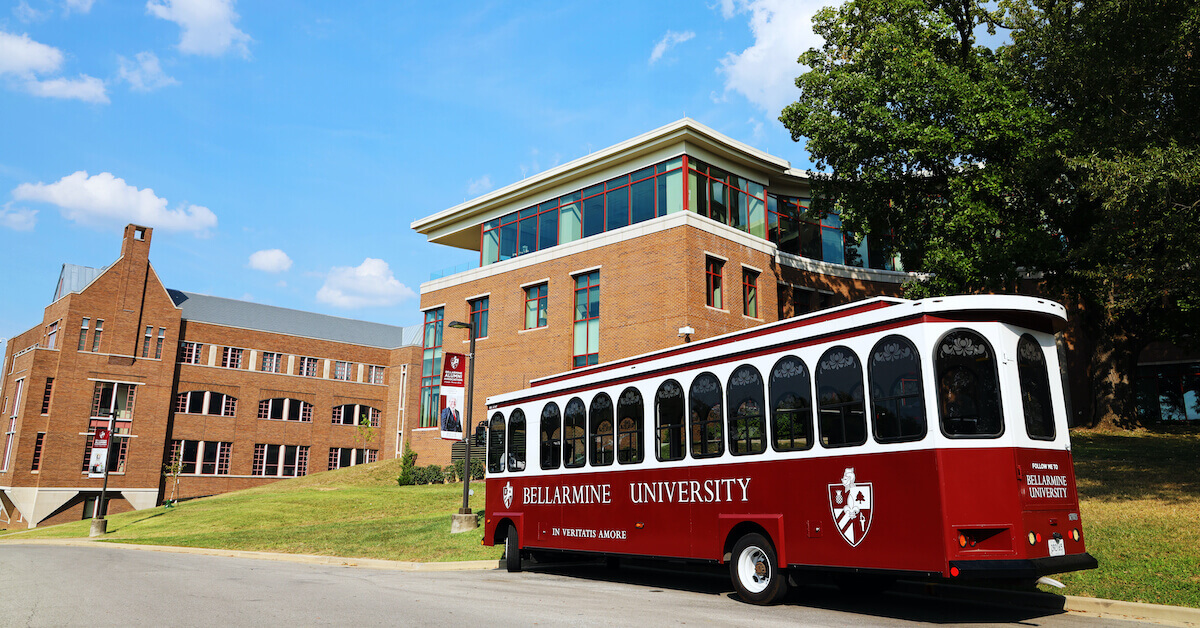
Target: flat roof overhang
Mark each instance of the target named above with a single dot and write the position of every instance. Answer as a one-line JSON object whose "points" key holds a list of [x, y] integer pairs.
{"points": [[458, 225]]}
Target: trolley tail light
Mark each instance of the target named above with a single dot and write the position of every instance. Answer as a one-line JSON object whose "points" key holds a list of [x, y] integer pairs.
{"points": [[993, 539]]}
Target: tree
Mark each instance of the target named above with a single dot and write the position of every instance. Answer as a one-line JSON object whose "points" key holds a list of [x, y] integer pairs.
{"points": [[171, 471], [999, 143]]}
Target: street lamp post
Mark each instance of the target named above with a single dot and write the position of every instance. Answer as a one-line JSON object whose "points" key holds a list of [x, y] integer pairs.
{"points": [[460, 522]]}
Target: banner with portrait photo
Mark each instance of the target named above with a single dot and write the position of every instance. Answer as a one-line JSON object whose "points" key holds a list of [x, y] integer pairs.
{"points": [[450, 408], [99, 458]]}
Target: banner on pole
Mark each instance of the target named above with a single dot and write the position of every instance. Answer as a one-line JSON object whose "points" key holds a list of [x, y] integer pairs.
{"points": [[99, 460], [454, 368]]}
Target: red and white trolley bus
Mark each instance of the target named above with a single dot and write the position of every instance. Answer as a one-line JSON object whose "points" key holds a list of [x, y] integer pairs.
{"points": [[885, 437]]}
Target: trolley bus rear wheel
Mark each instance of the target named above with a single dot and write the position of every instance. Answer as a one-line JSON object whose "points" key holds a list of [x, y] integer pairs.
{"points": [[755, 571], [512, 553]]}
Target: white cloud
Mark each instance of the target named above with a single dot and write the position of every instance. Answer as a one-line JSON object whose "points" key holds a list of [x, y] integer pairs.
{"points": [[369, 284], [79, 6], [85, 88], [270, 261], [19, 219], [103, 199], [207, 25], [765, 73], [475, 187], [667, 42], [26, 13], [22, 56], [145, 74]]}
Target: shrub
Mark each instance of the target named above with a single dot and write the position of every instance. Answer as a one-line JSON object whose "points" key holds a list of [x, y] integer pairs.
{"points": [[476, 468], [431, 474], [407, 463]]}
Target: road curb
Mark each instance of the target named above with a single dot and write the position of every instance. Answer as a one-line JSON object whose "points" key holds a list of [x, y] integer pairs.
{"points": [[1157, 613], [308, 559]]}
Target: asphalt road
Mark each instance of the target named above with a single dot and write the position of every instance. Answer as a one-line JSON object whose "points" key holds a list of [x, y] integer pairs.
{"points": [[101, 585]]}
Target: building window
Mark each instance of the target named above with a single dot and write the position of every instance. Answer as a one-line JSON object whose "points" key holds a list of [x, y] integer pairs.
{"points": [[284, 461], [146, 341], [356, 414], [342, 370], [206, 402], [271, 362], [37, 452], [479, 317], [308, 367], [83, 332], [202, 457], [46, 395], [587, 319], [231, 358], [8, 441], [283, 409], [628, 199], [97, 334], [342, 457], [431, 367], [726, 198], [118, 447], [750, 293], [52, 335], [158, 345], [535, 306], [712, 282], [189, 352], [374, 374], [110, 399]]}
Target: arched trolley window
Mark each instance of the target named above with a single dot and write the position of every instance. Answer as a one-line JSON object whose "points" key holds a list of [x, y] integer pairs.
{"points": [[791, 405], [630, 412], [840, 395], [1035, 389], [575, 434], [600, 431], [897, 403], [516, 441], [551, 449], [968, 386], [495, 449], [669, 421], [747, 426], [707, 422]]}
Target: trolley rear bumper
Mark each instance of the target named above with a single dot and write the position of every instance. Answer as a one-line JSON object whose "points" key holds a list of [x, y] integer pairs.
{"points": [[1024, 568]]}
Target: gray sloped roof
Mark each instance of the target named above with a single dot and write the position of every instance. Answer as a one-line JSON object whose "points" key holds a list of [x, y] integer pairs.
{"points": [[247, 315], [75, 278]]}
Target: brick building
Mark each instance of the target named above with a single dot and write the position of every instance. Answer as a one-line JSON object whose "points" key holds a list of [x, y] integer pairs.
{"points": [[241, 393], [675, 235]]}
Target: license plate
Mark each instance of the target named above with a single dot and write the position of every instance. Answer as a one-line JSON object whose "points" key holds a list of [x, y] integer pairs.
{"points": [[1057, 547]]}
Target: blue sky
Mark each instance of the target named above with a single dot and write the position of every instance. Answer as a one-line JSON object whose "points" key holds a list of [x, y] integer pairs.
{"points": [[281, 149]]}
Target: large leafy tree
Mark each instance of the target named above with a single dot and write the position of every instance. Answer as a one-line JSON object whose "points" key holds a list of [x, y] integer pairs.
{"points": [[1048, 142]]}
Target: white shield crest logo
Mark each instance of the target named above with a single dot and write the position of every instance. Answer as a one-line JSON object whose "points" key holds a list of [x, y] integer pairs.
{"points": [[454, 362], [508, 494], [851, 505]]}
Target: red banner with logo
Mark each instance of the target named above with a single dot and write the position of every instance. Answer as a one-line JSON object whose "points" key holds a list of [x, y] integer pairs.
{"points": [[453, 385]]}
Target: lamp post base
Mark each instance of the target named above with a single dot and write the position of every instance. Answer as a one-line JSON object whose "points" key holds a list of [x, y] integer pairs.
{"points": [[460, 522], [99, 527]]}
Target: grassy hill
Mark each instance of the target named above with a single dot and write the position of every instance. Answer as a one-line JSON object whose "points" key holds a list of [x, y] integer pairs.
{"points": [[358, 512]]}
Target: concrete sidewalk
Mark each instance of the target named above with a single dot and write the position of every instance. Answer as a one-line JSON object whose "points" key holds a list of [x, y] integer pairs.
{"points": [[1094, 607]]}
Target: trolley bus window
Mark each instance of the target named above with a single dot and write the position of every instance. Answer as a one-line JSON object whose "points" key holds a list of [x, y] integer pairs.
{"points": [[668, 412], [574, 434], [897, 405], [516, 441], [551, 454], [968, 392], [495, 450], [1035, 389], [707, 421], [600, 431], [629, 428], [840, 395], [747, 428], [791, 405]]}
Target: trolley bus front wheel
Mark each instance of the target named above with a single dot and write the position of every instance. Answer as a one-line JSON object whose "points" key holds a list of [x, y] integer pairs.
{"points": [[755, 570], [512, 553]]}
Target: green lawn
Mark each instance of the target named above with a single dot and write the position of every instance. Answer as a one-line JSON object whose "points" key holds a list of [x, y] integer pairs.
{"points": [[1140, 504], [358, 513]]}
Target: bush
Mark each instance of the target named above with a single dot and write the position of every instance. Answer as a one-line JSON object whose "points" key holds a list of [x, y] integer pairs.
{"points": [[431, 474], [476, 468], [451, 473], [407, 463]]}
